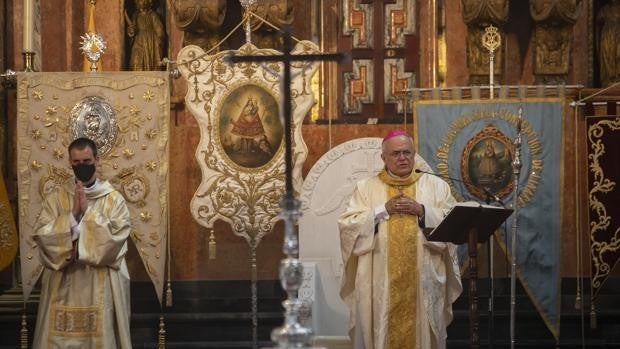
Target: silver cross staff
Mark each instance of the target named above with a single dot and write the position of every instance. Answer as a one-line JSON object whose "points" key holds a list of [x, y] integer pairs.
{"points": [[292, 334]]}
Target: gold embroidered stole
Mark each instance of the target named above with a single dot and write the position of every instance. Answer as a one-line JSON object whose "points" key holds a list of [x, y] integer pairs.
{"points": [[402, 267]]}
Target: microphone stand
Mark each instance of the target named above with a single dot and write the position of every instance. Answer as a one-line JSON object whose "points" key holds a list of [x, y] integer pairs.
{"points": [[491, 318], [516, 166], [489, 196]]}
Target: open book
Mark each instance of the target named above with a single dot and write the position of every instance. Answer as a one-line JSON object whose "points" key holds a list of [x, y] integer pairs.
{"points": [[464, 217]]}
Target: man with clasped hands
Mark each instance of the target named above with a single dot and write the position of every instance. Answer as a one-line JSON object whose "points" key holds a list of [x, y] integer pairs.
{"points": [[398, 286], [81, 235]]}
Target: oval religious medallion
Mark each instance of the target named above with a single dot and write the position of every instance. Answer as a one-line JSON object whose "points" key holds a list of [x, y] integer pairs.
{"points": [[94, 118], [250, 131], [487, 163]]}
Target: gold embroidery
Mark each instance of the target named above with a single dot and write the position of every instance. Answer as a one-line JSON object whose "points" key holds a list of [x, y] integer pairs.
{"points": [[600, 220], [76, 321], [402, 267]]}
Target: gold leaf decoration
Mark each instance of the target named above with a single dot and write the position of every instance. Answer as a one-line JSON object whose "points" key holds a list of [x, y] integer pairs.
{"points": [[148, 95], [151, 165], [51, 110], [128, 153], [59, 153], [36, 134], [35, 165], [37, 95], [134, 110], [151, 133], [145, 216]]}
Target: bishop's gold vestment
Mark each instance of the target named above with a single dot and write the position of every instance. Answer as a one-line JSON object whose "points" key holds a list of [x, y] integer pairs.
{"points": [[84, 303], [424, 275]]}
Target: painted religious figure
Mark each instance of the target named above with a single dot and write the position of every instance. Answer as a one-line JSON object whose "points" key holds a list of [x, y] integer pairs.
{"points": [[486, 163], [250, 130], [490, 164]]}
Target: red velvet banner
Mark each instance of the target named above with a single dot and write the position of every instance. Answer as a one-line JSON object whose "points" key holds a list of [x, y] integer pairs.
{"points": [[603, 196]]}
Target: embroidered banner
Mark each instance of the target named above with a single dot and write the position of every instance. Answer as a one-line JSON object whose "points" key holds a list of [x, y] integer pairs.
{"points": [[603, 197], [241, 149], [127, 115], [471, 141]]}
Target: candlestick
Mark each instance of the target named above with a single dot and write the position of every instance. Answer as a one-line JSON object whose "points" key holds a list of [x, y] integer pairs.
{"points": [[28, 61], [28, 25]]}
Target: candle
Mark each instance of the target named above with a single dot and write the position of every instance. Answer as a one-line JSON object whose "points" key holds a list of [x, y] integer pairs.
{"points": [[28, 25]]}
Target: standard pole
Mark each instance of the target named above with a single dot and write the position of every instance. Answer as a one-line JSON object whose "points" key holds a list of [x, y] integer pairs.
{"points": [[516, 166], [472, 246]]}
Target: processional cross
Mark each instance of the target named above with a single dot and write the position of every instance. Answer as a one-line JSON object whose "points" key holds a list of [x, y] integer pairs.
{"points": [[491, 40], [292, 334]]}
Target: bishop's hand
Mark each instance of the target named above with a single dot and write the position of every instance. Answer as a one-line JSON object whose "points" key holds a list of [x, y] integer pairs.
{"points": [[403, 204]]}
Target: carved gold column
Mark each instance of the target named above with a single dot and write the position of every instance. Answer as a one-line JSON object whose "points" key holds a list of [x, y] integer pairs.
{"points": [[553, 34], [200, 20], [479, 14]]}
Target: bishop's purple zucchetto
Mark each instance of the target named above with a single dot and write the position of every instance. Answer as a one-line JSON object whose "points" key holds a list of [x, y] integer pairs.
{"points": [[395, 133]]}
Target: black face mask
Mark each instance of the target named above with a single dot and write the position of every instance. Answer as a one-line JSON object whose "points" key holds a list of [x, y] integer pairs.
{"points": [[84, 172]]}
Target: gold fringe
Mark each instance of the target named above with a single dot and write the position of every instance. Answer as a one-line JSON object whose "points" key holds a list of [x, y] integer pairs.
{"points": [[592, 316], [161, 338], [23, 333], [168, 295], [212, 245]]}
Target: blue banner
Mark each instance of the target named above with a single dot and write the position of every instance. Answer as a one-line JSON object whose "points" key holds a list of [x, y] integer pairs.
{"points": [[473, 141]]}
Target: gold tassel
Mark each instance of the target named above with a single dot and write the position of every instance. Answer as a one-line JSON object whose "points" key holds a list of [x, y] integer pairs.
{"points": [[168, 295], [592, 317], [23, 333], [212, 246], [161, 338]]}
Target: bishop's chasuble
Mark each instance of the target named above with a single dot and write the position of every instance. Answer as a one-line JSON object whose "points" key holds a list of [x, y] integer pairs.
{"points": [[398, 286], [84, 303]]}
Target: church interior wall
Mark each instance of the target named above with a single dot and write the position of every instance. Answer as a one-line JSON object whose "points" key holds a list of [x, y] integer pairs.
{"points": [[63, 22]]}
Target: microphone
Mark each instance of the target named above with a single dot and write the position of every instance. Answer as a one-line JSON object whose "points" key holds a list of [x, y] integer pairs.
{"points": [[487, 192]]}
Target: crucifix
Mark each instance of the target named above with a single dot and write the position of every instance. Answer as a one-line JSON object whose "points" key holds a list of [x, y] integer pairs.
{"points": [[292, 334]]}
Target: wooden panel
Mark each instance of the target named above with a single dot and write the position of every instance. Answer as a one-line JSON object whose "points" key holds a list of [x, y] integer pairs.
{"points": [[374, 32]]}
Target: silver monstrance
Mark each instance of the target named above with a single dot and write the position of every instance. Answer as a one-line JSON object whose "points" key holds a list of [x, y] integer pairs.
{"points": [[92, 46]]}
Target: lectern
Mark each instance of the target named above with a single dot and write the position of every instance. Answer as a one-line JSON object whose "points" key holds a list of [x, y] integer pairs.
{"points": [[470, 222]]}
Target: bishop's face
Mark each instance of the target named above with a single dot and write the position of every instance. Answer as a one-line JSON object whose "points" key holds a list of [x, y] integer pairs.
{"points": [[398, 155]]}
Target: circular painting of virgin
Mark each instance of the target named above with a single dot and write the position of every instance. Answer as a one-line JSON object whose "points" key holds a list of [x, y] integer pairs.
{"points": [[488, 164], [249, 126]]}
